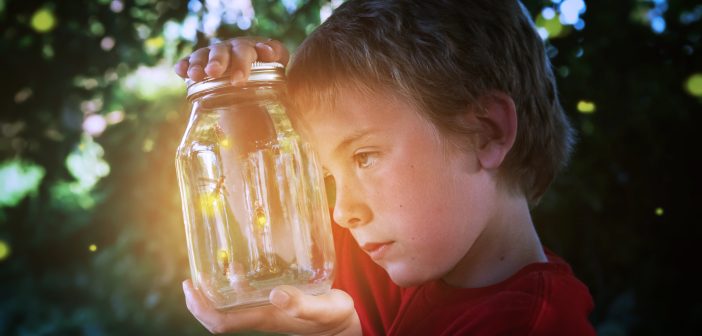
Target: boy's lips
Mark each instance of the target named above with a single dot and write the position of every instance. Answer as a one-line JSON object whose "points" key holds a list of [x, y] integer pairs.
{"points": [[377, 250]]}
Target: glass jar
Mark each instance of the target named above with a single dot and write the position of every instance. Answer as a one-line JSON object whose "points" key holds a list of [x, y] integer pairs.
{"points": [[254, 201]]}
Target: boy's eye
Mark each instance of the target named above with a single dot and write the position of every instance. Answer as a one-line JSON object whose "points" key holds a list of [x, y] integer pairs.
{"points": [[364, 159]]}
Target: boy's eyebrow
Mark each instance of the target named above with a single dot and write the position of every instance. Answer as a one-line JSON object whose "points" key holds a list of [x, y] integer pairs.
{"points": [[355, 136]]}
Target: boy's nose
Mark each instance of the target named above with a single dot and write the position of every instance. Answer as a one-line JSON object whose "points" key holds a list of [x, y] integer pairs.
{"points": [[350, 211]]}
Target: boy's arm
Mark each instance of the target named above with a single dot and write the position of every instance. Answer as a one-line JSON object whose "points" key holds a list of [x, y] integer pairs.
{"points": [[291, 312]]}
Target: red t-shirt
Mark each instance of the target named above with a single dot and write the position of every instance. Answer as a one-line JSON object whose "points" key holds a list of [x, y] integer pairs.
{"points": [[540, 299]]}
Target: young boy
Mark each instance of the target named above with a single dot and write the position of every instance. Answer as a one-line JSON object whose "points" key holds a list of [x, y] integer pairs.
{"points": [[439, 124]]}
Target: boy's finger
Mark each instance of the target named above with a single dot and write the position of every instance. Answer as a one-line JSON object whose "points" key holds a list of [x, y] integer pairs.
{"points": [[243, 54], [198, 305], [272, 51], [197, 61], [212, 319], [218, 60], [331, 308], [181, 68]]}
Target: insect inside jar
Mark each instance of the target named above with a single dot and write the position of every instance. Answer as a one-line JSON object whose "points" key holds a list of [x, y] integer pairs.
{"points": [[220, 188]]}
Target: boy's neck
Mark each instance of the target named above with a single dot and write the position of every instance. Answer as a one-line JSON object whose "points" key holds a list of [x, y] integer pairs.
{"points": [[508, 243]]}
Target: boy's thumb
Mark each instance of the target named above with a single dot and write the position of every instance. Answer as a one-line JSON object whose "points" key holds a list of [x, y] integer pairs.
{"points": [[331, 307]]}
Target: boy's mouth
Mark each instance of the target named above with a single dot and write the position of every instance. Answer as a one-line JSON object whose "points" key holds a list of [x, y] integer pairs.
{"points": [[377, 250]]}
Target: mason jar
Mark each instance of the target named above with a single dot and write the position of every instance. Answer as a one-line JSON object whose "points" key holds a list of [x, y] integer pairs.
{"points": [[254, 202]]}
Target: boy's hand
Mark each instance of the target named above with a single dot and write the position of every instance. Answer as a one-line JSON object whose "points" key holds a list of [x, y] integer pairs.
{"points": [[291, 312], [236, 55]]}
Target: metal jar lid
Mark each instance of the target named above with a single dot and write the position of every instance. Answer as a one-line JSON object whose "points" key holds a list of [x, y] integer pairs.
{"points": [[260, 72]]}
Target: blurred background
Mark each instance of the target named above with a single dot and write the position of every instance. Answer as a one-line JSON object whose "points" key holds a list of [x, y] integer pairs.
{"points": [[91, 229]]}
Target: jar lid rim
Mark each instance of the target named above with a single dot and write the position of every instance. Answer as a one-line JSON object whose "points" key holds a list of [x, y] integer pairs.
{"points": [[260, 72]]}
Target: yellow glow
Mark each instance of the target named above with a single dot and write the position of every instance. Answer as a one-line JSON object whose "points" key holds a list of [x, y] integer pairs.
{"points": [[286, 145], [148, 145], [553, 25], [225, 143], [223, 256], [4, 250], [43, 20], [659, 211], [92, 247], [693, 85], [223, 261], [209, 203], [260, 217], [154, 44], [586, 107], [210, 199]]}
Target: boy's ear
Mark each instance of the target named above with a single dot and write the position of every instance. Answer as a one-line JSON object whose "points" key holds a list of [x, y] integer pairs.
{"points": [[496, 121]]}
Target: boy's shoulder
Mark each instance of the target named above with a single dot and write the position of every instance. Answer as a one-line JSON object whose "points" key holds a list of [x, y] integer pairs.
{"points": [[540, 299]]}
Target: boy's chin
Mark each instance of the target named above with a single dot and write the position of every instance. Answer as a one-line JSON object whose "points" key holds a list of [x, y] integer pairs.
{"points": [[407, 278]]}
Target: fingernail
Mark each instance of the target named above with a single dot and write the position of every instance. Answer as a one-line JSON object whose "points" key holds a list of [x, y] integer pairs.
{"points": [[186, 288], [279, 298], [265, 46]]}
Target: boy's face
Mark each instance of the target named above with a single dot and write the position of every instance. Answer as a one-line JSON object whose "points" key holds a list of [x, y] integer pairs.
{"points": [[412, 203]]}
